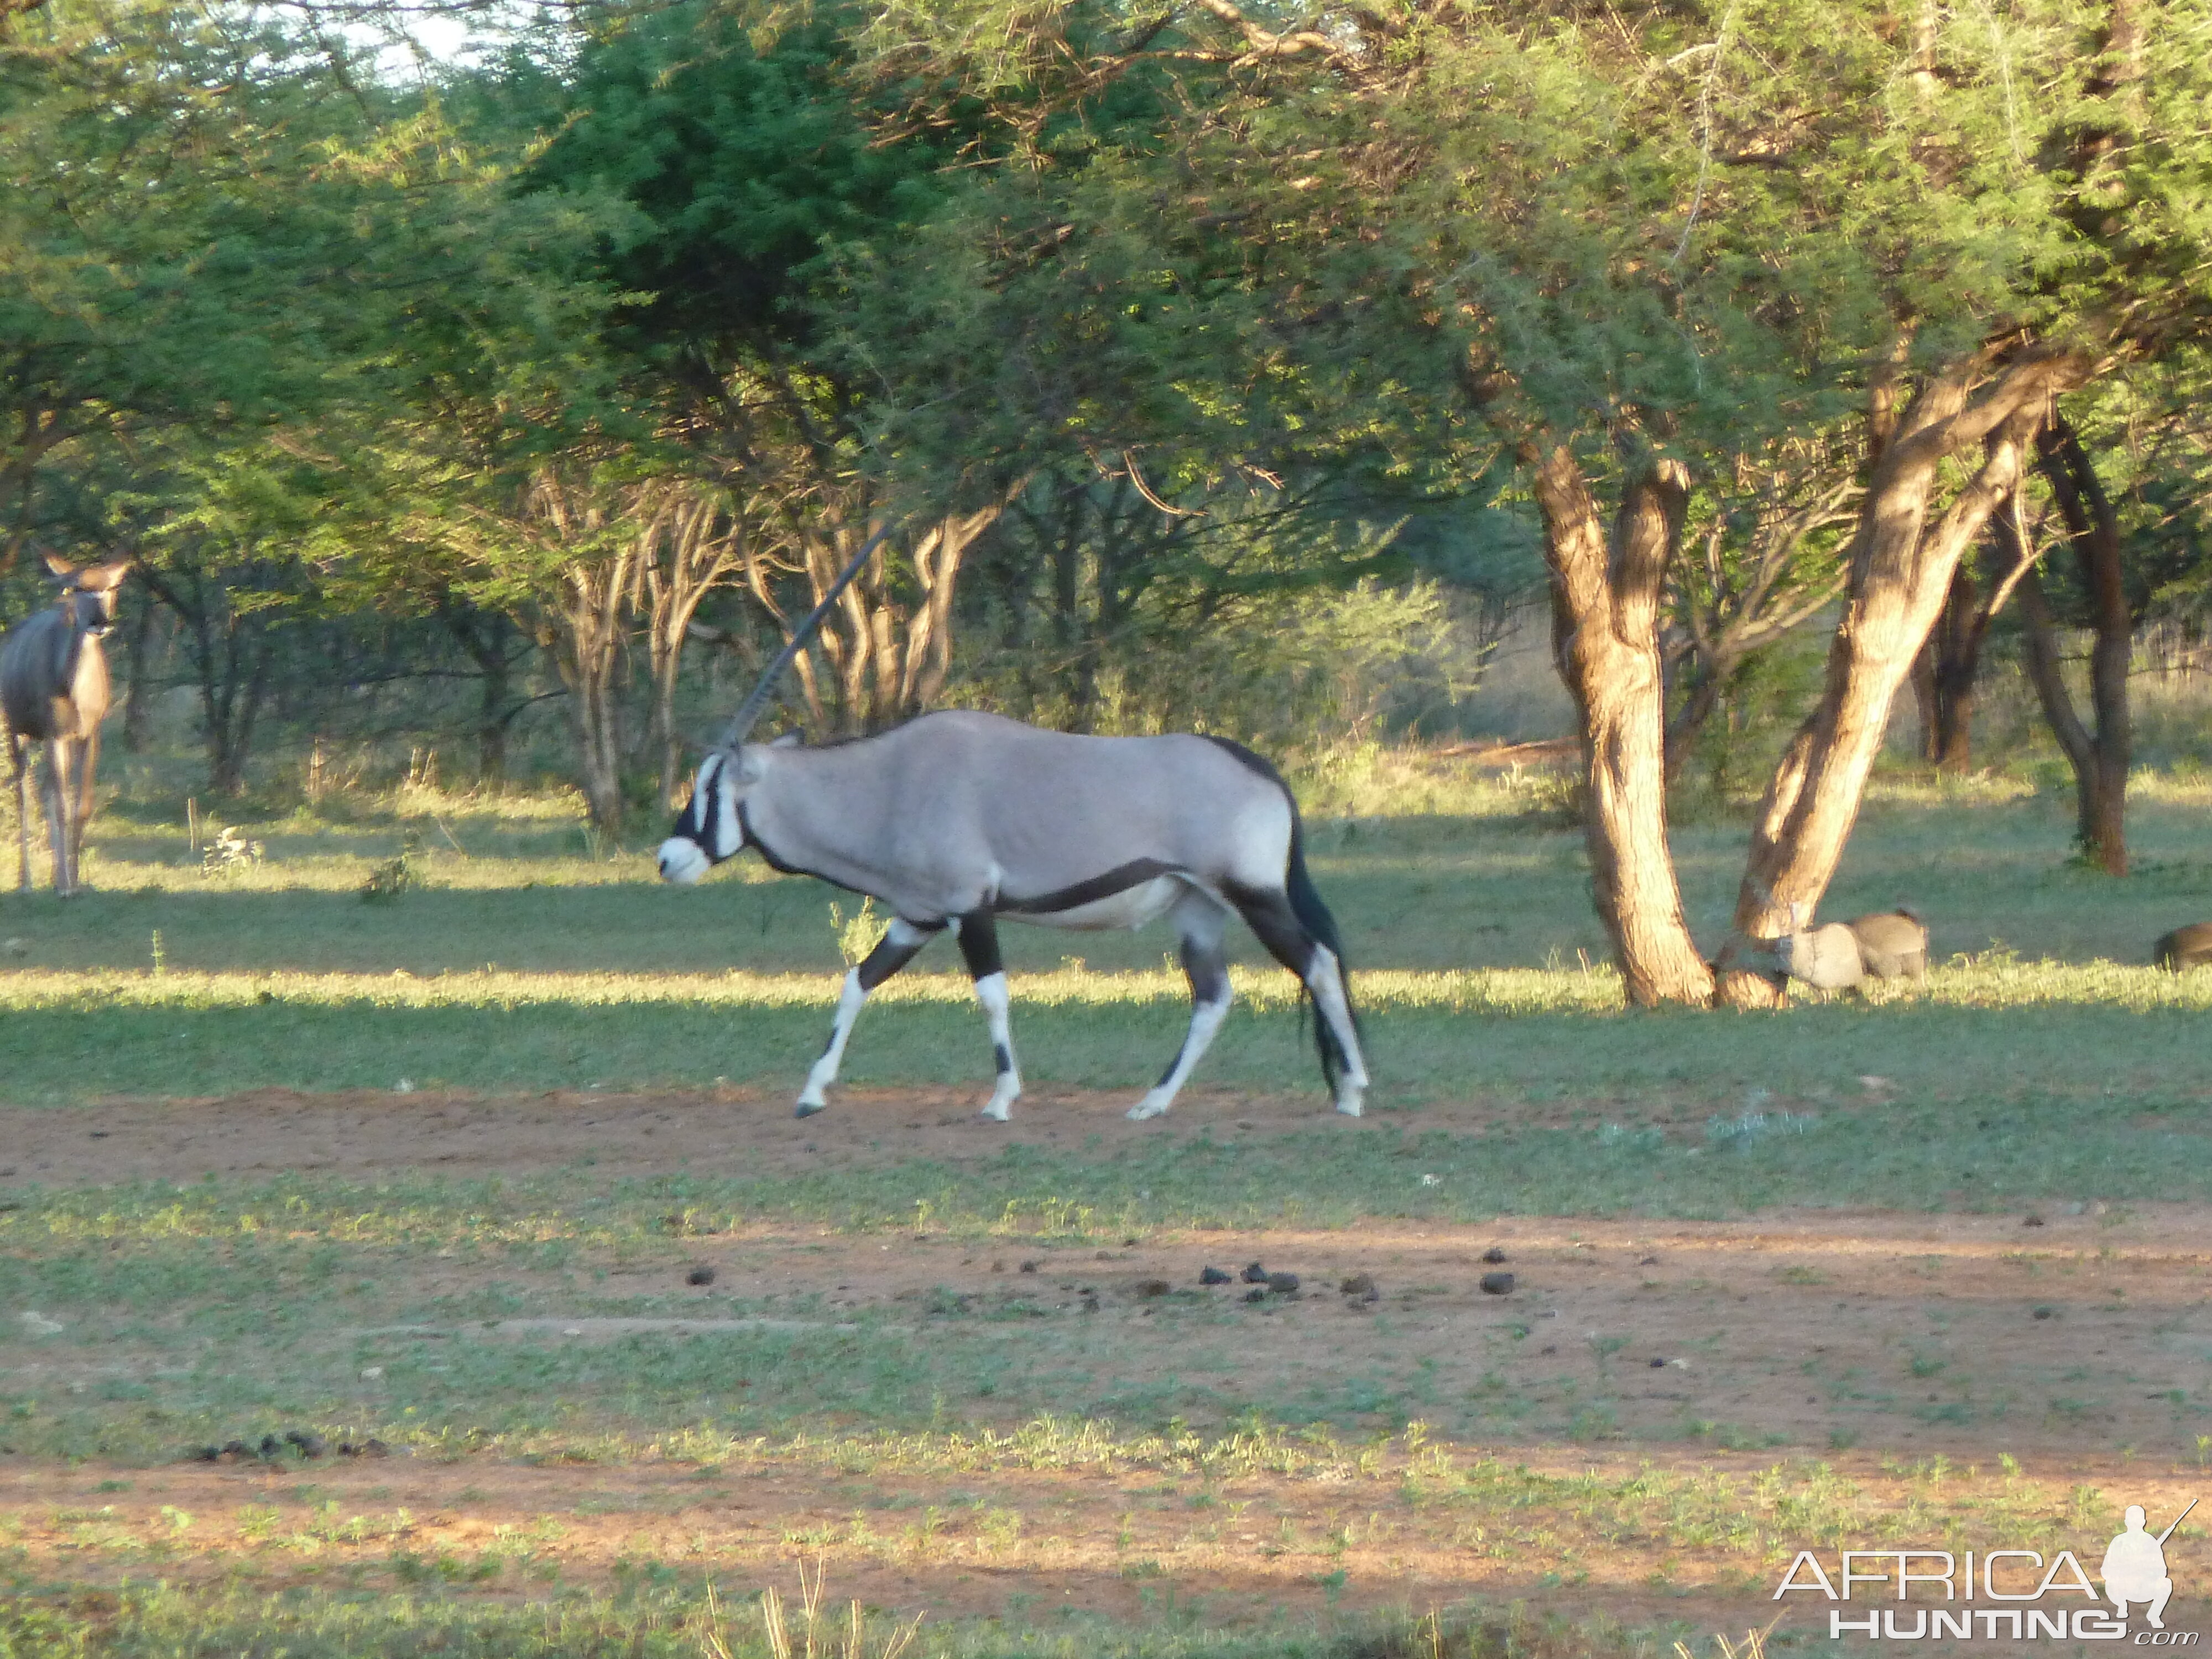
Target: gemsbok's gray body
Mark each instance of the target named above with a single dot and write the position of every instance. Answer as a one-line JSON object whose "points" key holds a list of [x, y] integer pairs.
{"points": [[54, 692], [957, 819]]}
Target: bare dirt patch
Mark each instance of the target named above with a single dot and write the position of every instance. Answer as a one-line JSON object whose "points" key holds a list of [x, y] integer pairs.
{"points": [[2081, 1347]]}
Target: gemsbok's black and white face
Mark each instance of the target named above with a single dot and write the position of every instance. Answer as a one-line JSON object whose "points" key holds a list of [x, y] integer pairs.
{"points": [[710, 829]]}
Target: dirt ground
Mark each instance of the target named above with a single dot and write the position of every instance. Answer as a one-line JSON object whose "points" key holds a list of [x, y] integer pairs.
{"points": [[2077, 1344]]}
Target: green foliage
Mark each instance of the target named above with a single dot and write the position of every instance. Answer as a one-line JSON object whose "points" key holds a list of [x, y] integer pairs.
{"points": [[738, 142], [396, 875], [861, 934]]}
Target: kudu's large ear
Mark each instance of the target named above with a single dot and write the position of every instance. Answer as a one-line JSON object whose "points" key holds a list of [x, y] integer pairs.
{"points": [[103, 578], [61, 569]]}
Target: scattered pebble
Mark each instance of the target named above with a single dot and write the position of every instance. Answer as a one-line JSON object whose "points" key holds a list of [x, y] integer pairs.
{"points": [[1150, 1287], [405, 1086], [573, 1330], [1649, 1261], [2043, 1313], [1658, 1364], [1874, 1085], [371, 1373], [2032, 1221], [1361, 1288], [37, 1324], [1215, 1276], [1255, 1275], [1283, 1284], [702, 1274], [1494, 1255], [1497, 1284], [1032, 1267], [1432, 1181]]}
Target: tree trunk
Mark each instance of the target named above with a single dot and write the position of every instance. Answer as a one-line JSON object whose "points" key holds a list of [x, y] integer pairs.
{"points": [[484, 636], [233, 655], [1605, 609], [138, 697], [1953, 659], [1901, 566], [584, 635], [696, 541], [887, 643], [2099, 758]]}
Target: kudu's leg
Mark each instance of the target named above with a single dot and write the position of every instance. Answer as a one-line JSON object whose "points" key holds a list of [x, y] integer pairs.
{"points": [[979, 949], [1288, 940], [900, 940], [19, 755], [87, 762], [52, 792], [1200, 921]]}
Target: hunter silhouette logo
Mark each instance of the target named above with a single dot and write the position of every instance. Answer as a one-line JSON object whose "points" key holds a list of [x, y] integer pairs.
{"points": [[2135, 1567], [2007, 1595]]}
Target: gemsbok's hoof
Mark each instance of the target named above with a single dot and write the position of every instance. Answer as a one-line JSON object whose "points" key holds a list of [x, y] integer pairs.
{"points": [[1146, 1108], [808, 1107], [1349, 1102]]}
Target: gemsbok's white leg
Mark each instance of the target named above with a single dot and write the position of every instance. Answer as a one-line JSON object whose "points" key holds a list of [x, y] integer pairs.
{"points": [[991, 992], [1201, 922], [1325, 979], [896, 948], [850, 1001]]}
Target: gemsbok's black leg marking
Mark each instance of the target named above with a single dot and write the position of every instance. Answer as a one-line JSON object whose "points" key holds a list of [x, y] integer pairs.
{"points": [[979, 948], [900, 944]]}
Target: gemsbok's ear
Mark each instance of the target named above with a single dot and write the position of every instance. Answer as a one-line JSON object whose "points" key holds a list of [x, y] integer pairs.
{"points": [[753, 763], [784, 740]]}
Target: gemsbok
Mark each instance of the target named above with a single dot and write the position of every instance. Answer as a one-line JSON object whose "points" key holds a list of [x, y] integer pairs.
{"points": [[957, 819], [54, 692]]}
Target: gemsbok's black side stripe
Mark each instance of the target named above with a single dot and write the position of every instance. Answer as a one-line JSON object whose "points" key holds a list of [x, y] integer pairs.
{"points": [[1120, 879]]}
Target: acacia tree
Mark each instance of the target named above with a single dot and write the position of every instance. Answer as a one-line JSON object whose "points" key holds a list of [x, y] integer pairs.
{"points": [[1652, 243], [732, 134]]}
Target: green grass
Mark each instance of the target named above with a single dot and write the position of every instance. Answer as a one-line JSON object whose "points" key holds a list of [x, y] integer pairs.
{"points": [[2047, 1066], [654, 1621]]}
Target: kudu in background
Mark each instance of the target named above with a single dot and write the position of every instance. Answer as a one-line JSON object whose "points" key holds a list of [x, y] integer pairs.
{"points": [[54, 690]]}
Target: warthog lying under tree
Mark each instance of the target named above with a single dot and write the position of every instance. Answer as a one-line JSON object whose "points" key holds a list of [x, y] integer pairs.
{"points": [[1841, 956], [2184, 947]]}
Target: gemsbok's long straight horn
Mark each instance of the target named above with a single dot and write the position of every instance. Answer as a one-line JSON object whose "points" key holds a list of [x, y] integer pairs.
{"points": [[750, 710]]}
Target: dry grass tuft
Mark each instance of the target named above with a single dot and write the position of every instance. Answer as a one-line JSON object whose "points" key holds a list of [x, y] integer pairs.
{"points": [[818, 1635]]}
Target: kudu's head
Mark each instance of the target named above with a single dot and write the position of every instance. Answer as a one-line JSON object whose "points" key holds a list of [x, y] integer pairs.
{"points": [[88, 592], [711, 827]]}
